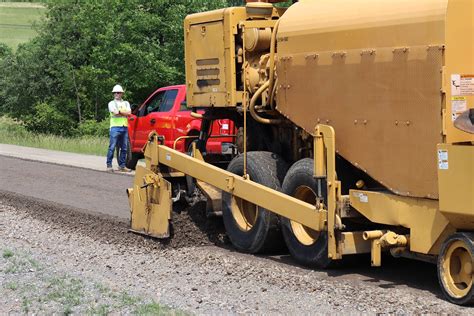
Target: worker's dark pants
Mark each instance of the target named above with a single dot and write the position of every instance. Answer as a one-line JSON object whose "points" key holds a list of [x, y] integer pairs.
{"points": [[118, 137]]}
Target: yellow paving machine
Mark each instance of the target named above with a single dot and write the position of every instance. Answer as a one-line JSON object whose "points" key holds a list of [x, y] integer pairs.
{"points": [[355, 128]]}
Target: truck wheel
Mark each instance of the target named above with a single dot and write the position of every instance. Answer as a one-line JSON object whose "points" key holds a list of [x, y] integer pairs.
{"points": [[251, 228], [307, 246], [455, 268], [132, 158]]}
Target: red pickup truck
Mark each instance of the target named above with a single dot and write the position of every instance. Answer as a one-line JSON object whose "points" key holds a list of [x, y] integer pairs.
{"points": [[165, 112]]}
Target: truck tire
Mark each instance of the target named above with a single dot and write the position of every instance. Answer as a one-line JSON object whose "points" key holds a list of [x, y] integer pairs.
{"points": [[250, 228], [132, 158], [307, 246], [455, 268]]}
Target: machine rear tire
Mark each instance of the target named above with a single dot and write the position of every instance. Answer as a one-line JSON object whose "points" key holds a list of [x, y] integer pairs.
{"points": [[455, 268], [307, 246], [250, 228]]}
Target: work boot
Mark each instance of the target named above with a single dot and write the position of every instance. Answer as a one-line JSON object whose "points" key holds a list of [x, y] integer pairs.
{"points": [[124, 169], [110, 169]]}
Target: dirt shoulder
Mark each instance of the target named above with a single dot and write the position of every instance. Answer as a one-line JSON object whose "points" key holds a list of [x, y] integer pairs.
{"points": [[56, 259]]}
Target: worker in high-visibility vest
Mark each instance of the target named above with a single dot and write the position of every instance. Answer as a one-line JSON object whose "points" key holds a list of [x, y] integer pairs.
{"points": [[119, 111]]}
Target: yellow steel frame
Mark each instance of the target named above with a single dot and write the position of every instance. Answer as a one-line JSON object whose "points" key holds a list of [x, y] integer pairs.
{"points": [[316, 217], [428, 227], [382, 208], [325, 167], [281, 204]]}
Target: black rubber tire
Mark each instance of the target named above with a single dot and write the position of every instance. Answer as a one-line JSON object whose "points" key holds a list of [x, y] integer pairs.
{"points": [[132, 158], [268, 169], [316, 254], [468, 239]]}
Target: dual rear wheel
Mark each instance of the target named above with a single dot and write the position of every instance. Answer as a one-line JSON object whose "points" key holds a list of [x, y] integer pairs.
{"points": [[254, 229], [307, 246]]}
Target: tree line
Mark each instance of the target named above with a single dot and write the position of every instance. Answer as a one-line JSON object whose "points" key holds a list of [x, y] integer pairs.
{"points": [[60, 82]]}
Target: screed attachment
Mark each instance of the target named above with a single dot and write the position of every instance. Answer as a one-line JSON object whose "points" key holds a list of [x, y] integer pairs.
{"points": [[150, 204]]}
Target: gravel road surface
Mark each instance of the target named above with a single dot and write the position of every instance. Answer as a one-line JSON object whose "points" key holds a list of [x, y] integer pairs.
{"points": [[70, 222]]}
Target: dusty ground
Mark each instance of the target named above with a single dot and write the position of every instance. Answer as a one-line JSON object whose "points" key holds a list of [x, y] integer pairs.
{"points": [[58, 259]]}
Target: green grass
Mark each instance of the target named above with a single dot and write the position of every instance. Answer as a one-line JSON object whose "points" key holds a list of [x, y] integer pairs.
{"points": [[35, 286], [19, 263], [7, 253], [17, 20], [66, 291], [14, 133], [12, 286], [153, 309]]}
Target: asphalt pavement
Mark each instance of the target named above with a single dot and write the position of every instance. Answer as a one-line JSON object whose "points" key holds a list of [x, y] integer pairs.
{"points": [[75, 180], [53, 156]]}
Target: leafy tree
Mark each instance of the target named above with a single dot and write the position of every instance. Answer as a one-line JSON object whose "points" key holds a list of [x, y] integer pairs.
{"points": [[5, 51], [84, 48]]}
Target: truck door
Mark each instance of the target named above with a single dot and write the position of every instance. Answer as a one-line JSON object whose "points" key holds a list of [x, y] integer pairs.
{"points": [[157, 116], [146, 120], [166, 113]]}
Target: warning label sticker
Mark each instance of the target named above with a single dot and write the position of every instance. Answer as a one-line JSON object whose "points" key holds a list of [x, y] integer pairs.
{"points": [[363, 198], [443, 159], [458, 106], [462, 85]]}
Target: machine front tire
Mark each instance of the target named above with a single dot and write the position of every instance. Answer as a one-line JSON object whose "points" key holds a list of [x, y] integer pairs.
{"points": [[455, 268], [250, 228], [308, 247]]}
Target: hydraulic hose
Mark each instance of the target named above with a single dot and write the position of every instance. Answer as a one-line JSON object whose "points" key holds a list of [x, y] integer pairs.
{"points": [[253, 112], [272, 95]]}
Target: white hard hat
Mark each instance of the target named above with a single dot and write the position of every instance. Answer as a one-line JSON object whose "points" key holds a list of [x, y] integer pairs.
{"points": [[117, 88]]}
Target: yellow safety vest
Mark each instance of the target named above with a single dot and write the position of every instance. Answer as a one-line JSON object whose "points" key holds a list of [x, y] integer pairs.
{"points": [[118, 121]]}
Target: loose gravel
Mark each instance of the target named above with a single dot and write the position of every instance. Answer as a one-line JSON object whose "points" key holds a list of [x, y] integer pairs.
{"points": [[57, 259]]}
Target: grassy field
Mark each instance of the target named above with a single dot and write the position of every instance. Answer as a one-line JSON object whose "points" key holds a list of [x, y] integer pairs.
{"points": [[16, 21], [13, 132]]}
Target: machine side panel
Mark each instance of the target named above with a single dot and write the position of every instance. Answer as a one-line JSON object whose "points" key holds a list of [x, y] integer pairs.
{"points": [[210, 49], [377, 81], [208, 72], [456, 184], [416, 214]]}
